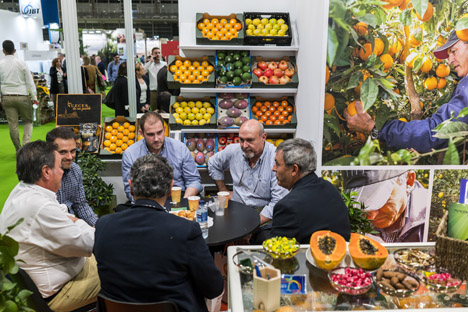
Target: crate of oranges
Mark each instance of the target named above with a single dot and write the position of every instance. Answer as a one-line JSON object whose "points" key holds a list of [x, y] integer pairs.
{"points": [[192, 113], [219, 29], [275, 113], [119, 133], [196, 72]]}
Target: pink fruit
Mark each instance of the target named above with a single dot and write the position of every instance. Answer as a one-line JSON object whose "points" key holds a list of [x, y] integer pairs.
{"points": [[263, 79], [278, 72], [273, 80], [226, 104], [269, 72], [258, 72], [200, 158], [289, 72], [222, 140], [284, 80]]}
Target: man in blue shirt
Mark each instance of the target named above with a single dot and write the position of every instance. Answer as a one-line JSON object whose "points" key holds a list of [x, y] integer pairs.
{"points": [[418, 134], [71, 192], [186, 174], [113, 68]]}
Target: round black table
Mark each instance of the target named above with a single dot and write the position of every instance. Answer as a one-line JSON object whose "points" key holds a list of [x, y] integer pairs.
{"points": [[238, 221]]}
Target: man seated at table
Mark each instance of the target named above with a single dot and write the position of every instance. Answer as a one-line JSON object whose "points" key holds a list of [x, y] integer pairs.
{"points": [[146, 254], [54, 246], [152, 128], [250, 163], [71, 192], [312, 204]]}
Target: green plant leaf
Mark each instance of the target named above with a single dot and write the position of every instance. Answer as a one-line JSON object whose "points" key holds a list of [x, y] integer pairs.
{"points": [[462, 24], [451, 155], [332, 46], [369, 19], [14, 225], [420, 6], [340, 161], [354, 80], [452, 129], [10, 244], [405, 17], [369, 92]]}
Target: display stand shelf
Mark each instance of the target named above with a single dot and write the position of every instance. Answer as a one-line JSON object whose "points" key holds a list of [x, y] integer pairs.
{"points": [[231, 130], [240, 90]]}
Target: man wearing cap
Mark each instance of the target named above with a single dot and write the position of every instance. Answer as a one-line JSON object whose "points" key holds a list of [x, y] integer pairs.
{"points": [[418, 134], [395, 200]]}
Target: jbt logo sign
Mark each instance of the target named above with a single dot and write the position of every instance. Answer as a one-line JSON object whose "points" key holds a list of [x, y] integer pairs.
{"points": [[30, 8]]}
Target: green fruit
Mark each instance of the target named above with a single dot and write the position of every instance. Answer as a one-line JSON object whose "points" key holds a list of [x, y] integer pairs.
{"points": [[221, 63], [236, 57], [238, 64], [230, 75], [230, 53], [244, 53], [246, 77], [245, 60], [223, 79], [229, 66], [222, 72], [238, 72], [221, 55], [237, 81], [246, 68], [228, 59]]}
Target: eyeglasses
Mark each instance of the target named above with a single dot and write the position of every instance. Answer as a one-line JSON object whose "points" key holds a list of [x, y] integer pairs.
{"points": [[259, 178]]}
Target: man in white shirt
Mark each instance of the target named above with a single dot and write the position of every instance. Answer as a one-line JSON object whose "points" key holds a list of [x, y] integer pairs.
{"points": [[55, 247], [153, 67], [16, 85]]}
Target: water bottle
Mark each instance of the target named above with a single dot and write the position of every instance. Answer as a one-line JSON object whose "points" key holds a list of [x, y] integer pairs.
{"points": [[202, 219]]}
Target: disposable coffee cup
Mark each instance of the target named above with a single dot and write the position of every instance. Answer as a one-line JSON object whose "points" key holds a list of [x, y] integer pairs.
{"points": [[226, 196], [175, 194], [193, 202]]}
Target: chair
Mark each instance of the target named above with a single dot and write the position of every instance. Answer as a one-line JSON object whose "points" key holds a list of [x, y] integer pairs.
{"points": [[36, 301], [110, 305]]}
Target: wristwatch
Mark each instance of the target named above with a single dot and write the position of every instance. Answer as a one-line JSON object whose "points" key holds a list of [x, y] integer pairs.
{"points": [[374, 134]]}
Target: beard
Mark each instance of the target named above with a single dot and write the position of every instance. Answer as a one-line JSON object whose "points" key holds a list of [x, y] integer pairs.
{"points": [[248, 154]]}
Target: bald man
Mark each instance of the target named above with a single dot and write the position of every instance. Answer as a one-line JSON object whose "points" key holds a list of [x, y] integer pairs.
{"points": [[250, 163]]}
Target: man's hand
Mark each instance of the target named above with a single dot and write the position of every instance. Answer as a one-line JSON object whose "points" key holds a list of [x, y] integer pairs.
{"points": [[190, 191], [361, 121]]}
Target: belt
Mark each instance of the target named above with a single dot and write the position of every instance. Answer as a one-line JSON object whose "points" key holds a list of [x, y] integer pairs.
{"points": [[14, 95]]}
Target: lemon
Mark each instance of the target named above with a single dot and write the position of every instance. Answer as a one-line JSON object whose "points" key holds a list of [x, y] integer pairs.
{"points": [[183, 116], [191, 104], [251, 27], [195, 110], [206, 104], [280, 21], [256, 21], [249, 32], [260, 27], [264, 21], [187, 122], [441, 194], [183, 104], [187, 110], [284, 27], [248, 21], [203, 110], [175, 105], [199, 116], [195, 122], [207, 117], [210, 110], [179, 110], [257, 32], [176, 115], [190, 116], [179, 121], [199, 104]]}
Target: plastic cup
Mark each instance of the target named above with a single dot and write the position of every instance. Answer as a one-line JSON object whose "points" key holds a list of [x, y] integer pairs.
{"points": [[224, 195], [193, 202], [220, 206], [175, 194]]}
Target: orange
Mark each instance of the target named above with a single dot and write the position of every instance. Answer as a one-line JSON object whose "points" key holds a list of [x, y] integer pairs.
{"points": [[119, 135], [427, 65], [120, 128], [200, 26], [107, 143], [403, 119], [428, 14], [238, 26], [395, 46], [329, 101], [441, 41], [112, 147], [124, 146], [215, 21], [442, 71], [173, 68], [113, 139], [130, 142], [404, 4], [366, 52], [361, 29], [258, 104], [125, 139], [442, 83], [223, 21], [378, 46], [463, 34], [284, 103], [108, 135], [277, 123], [126, 132], [430, 83], [114, 131], [187, 63], [109, 128], [393, 3], [268, 122], [352, 108], [131, 135], [264, 118], [233, 21], [411, 58], [131, 128], [267, 103], [118, 150], [178, 63], [115, 125], [119, 143], [254, 109], [258, 113], [276, 104], [327, 74], [387, 60], [413, 41]]}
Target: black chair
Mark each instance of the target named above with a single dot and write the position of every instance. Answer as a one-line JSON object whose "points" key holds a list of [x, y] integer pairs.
{"points": [[36, 301], [110, 305]]}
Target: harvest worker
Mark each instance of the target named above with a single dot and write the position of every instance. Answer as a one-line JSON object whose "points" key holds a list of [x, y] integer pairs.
{"points": [[313, 203], [113, 68], [71, 192], [153, 67], [418, 134], [395, 200], [250, 163], [54, 246], [17, 88], [165, 258], [152, 128]]}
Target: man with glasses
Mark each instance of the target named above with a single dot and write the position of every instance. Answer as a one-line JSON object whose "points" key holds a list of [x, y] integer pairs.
{"points": [[250, 163]]}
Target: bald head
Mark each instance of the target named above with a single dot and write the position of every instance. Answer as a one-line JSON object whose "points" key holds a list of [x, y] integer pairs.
{"points": [[252, 125], [252, 139]]}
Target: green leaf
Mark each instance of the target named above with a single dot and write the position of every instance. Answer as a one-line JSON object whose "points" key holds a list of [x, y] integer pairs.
{"points": [[332, 46], [23, 295], [340, 161], [10, 244], [451, 155], [405, 17], [384, 83], [380, 15], [369, 92], [354, 80], [369, 19], [452, 129], [332, 123], [462, 113], [337, 9], [462, 24], [14, 225], [420, 6]]}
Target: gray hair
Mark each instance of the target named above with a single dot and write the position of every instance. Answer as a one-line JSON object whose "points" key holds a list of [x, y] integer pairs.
{"points": [[151, 176], [31, 158], [300, 152]]}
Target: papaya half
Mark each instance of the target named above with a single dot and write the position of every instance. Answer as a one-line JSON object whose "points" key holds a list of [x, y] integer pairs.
{"points": [[328, 249], [366, 252]]}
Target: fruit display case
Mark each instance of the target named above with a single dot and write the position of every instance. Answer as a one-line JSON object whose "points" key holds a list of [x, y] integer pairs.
{"points": [[265, 69], [279, 34], [225, 139], [191, 72], [274, 112], [181, 108], [232, 109], [233, 69], [123, 133], [219, 29], [201, 146]]}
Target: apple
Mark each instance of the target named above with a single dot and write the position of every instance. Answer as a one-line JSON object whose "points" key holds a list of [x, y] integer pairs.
{"points": [[278, 72], [272, 65], [284, 80], [268, 72], [222, 140], [289, 72], [236, 140], [258, 72], [263, 79], [230, 136], [273, 80], [283, 65], [262, 65]]}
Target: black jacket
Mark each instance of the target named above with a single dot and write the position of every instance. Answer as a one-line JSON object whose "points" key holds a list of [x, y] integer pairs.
{"points": [[145, 254], [138, 93], [54, 88], [313, 204], [121, 96]]}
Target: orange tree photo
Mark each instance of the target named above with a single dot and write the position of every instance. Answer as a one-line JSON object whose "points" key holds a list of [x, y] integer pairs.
{"points": [[380, 63]]}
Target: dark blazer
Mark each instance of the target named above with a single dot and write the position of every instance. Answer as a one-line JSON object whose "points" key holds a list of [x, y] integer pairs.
{"points": [[101, 67], [138, 93], [121, 96], [145, 254], [312, 204], [54, 87]]}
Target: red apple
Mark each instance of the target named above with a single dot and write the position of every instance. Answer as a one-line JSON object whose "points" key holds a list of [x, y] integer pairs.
{"points": [[284, 80], [236, 140], [258, 72], [283, 65], [222, 140], [289, 72], [262, 65], [273, 80], [268, 72], [278, 72], [272, 65], [263, 79]]}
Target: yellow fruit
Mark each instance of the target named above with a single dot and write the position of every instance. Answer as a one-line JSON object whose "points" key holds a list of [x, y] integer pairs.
{"points": [[210, 110], [131, 128], [108, 135], [378, 46], [393, 3], [428, 14], [115, 125], [201, 122], [352, 109], [187, 122], [442, 71], [387, 60], [441, 41], [361, 29], [206, 104], [442, 83], [410, 59], [131, 135], [366, 52], [427, 65], [403, 119], [395, 46], [207, 117], [430, 83], [413, 41], [329, 101], [194, 122], [441, 194]]}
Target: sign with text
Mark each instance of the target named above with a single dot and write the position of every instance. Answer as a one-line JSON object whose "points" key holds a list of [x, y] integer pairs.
{"points": [[73, 109], [30, 8]]}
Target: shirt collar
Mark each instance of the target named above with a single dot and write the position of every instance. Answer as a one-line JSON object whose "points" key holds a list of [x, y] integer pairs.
{"points": [[162, 149], [41, 189]]}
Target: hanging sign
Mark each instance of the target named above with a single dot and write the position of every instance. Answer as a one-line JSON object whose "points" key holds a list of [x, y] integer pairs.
{"points": [[30, 8]]}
